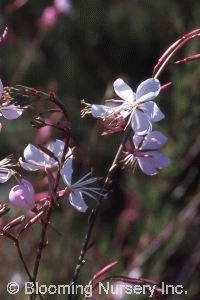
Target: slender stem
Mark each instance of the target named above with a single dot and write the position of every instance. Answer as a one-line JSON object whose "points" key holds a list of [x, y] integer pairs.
{"points": [[53, 192], [57, 102], [16, 242], [25, 266], [94, 214], [41, 245], [114, 163], [40, 248], [172, 50], [22, 259]]}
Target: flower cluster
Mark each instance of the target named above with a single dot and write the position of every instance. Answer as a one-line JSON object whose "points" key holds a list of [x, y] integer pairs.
{"points": [[136, 110], [21, 195], [46, 158], [50, 158], [139, 111]]}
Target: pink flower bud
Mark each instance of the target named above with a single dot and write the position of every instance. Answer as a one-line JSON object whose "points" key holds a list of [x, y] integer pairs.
{"points": [[22, 195]]}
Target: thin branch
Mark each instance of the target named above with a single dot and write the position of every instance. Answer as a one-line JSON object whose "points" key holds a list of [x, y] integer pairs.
{"points": [[163, 60], [53, 192], [17, 244], [94, 214]]}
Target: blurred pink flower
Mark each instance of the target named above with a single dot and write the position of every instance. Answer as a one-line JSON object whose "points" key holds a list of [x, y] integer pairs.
{"points": [[49, 17]]}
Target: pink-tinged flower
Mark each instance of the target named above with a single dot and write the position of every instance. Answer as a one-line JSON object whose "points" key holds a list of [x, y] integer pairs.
{"points": [[35, 159], [79, 188], [6, 170], [22, 195], [139, 107], [146, 153]]}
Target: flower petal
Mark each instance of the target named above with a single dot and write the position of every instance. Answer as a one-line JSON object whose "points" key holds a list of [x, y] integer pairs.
{"points": [[161, 160], [29, 166], [153, 162], [57, 148], [66, 171], [152, 110], [147, 166], [76, 200], [148, 90], [5, 174], [137, 140], [98, 111], [11, 112], [140, 122], [123, 90], [34, 155], [152, 141]]}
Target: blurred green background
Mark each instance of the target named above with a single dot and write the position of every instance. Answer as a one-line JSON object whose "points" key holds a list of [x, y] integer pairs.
{"points": [[150, 224]]}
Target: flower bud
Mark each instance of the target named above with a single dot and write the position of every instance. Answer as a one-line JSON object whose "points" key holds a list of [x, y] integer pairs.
{"points": [[22, 195], [14, 223], [3, 209]]}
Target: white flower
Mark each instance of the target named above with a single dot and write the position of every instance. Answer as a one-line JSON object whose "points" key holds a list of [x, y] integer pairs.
{"points": [[35, 159], [79, 188], [146, 153], [140, 108]]}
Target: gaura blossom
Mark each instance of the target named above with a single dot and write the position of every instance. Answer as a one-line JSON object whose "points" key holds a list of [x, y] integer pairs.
{"points": [[139, 107], [35, 159], [146, 153], [22, 195], [6, 170], [79, 188]]}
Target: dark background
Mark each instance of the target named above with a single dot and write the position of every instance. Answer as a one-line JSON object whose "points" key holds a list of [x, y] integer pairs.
{"points": [[150, 224]]}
